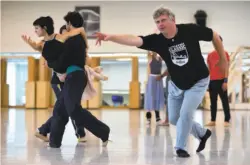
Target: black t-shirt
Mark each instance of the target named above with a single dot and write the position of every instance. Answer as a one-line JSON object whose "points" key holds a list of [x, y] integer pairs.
{"points": [[52, 51], [74, 54], [182, 54]]}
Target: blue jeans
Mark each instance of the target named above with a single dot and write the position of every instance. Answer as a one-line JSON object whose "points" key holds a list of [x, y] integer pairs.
{"points": [[181, 108]]}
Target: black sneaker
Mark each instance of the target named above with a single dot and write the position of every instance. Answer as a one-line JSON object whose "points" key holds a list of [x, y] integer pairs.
{"points": [[182, 153], [203, 141]]}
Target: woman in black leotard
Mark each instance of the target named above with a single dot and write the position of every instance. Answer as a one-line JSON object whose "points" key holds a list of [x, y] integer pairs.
{"points": [[72, 56], [52, 47], [69, 104]]}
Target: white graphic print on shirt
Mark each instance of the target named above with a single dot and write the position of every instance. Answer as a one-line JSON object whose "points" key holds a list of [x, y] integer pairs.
{"points": [[179, 54]]}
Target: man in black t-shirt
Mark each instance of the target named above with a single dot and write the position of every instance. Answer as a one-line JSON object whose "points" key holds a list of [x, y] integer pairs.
{"points": [[69, 102], [178, 45], [45, 128]]}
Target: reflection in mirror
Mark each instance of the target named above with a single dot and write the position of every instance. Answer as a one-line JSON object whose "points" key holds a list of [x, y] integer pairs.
{"points": [[17, 75], [116, 89], [119, 71]]}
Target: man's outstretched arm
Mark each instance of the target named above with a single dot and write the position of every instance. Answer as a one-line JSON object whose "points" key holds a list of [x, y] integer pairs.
{"points": [[149, 42], [126, 39]]}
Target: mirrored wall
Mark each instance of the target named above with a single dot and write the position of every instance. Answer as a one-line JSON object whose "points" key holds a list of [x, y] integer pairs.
{"points": [[115, 90], [17, 75]]}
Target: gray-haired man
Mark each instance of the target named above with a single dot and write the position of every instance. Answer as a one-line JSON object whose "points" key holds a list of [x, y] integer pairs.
{"points": [[178, 45]]}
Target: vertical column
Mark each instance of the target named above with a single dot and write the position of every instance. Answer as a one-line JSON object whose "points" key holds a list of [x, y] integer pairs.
{"points": [[30, 85], [4, 85], [149, 57], [44, 72], [43, 88], [96, 102], [134, 91], [95, 62]]}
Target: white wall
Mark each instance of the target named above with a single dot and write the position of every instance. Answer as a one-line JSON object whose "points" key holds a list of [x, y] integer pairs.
{"points": [[230, 19]]}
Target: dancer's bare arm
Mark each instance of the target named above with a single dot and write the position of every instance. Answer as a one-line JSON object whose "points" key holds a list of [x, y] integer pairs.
{"points": [[165, 73], [148, 42], [97, 75], [97, 69], [38, 46], [75, 32], [207, 34], [219, 48], [208, 63], [126, 39], [129, 40]]}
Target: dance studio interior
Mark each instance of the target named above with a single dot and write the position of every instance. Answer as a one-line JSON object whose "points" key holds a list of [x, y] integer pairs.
{"points": [[28, 99]]}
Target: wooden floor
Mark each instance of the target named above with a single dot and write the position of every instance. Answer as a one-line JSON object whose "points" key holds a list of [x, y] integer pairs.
{"points": [[133, 142]]}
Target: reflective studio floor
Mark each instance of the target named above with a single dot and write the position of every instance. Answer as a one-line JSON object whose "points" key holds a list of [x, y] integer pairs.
{"points": [[132, 141]]}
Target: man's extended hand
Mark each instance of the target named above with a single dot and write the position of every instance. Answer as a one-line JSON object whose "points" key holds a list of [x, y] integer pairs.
{"points": [[101, 37]]}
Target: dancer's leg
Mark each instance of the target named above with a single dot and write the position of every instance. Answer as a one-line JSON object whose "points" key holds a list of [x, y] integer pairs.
{"points": [[59, 120], [56, 90], [82, 118], [213, 93], [225, 104], [187, 101], [42, 131], [45, 128], [166, 123], [91, 123], [79, 132], [73, 88]]}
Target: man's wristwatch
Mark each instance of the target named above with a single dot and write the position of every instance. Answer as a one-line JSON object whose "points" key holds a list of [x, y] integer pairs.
{"points": [[225, 80]]}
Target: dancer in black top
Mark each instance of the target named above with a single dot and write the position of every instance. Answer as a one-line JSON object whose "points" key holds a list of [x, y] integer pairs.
{"points": [[178, 45], [52, 45], [55, 80], [69, 104], [42, 131]]}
